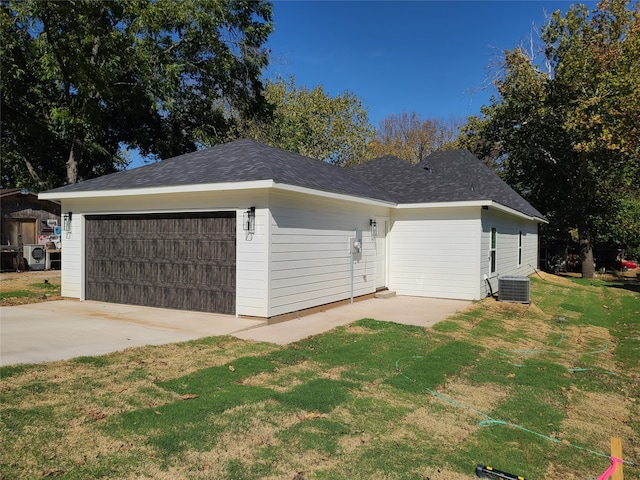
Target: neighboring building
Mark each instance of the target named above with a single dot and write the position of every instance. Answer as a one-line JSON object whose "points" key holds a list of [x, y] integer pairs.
{"points": [[25, 220], [252, 230]]}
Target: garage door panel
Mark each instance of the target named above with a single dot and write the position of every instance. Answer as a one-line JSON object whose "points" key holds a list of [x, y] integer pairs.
{"points": [[182, 261]]}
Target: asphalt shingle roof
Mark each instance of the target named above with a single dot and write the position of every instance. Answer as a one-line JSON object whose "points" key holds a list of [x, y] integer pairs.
{"points": [[447, 176], [238, 161]]}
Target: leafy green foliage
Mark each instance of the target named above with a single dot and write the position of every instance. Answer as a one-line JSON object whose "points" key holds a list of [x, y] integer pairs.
{"points": [[86, 78], [565, 129], [313, 123]]}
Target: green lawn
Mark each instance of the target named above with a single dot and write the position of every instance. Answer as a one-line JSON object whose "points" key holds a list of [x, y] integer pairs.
{"points": [[533, 390], [31, 292]]}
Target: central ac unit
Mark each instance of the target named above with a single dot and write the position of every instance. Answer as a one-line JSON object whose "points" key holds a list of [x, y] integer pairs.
{"points": [[513, 289]]}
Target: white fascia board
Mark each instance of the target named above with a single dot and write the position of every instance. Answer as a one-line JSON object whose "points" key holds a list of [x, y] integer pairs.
{"points": [[468, 203], [335, 196], [260, 184], [501, 207], [207, 187], [471, 203], [211, 187]]}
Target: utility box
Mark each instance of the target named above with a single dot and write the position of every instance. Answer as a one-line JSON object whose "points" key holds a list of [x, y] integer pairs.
{"points": [[355, 246], [514, 289]]}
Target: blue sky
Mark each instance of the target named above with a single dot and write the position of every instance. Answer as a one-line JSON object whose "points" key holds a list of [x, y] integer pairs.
{"points": [[430, 57]]}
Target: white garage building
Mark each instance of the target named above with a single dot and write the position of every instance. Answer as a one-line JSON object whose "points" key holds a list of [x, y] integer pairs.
{"points": [[247, 229]]}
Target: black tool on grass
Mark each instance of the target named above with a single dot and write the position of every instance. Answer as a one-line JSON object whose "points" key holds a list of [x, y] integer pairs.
{"points": [[485, 471]]}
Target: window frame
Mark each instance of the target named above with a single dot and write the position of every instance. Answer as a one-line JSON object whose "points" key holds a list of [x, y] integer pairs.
{"points": [[493, 251], [520, 248]]}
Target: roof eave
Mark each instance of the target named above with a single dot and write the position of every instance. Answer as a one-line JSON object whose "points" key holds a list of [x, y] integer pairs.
{"points": [[212, 187], [464, 203], [334, 196], [262, 184], [499, 206], [205, 187], [473, 203]]}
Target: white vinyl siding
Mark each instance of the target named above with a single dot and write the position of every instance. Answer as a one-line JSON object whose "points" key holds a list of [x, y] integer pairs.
{"points": [[299, 256], [510, 229], [72, 257], [251, 252], [435, 252], [310, 257], [252, 260]]}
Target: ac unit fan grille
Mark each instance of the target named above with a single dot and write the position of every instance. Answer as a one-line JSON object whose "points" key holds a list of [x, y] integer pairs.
{"points": [[514, 289]]}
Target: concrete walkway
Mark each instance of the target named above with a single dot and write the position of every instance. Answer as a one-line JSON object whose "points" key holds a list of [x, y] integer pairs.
{"points": [[60, 330], [423, 312]]}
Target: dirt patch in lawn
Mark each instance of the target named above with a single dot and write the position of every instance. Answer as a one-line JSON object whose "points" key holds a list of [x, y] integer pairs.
{"points": [[513, 309], [20, 288], [435, 473], [452, 426], [596, 417], [558, 280]]}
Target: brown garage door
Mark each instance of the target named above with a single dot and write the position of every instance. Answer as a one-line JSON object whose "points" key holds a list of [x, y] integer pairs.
{"points": [[182, 261]]}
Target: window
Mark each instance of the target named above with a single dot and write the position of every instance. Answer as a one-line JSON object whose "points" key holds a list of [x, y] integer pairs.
{"points": [[492, 249], [519, 248]]}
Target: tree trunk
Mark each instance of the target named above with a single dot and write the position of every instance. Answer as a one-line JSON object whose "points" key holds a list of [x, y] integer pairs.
{"points": [[32, 171], [586, 250], [75, 157]]}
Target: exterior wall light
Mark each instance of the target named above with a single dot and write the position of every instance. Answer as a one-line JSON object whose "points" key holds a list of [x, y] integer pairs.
{"points": [[374, 227], [66, 221], [249, 220]]}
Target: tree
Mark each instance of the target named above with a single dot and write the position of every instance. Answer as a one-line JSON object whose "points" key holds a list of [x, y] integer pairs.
{"points": [[409, 137], [565, 130], [313, 123], [88, 77]]}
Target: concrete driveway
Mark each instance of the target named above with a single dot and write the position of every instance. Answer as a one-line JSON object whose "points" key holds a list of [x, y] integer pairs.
{"points": [[60, 330]]}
